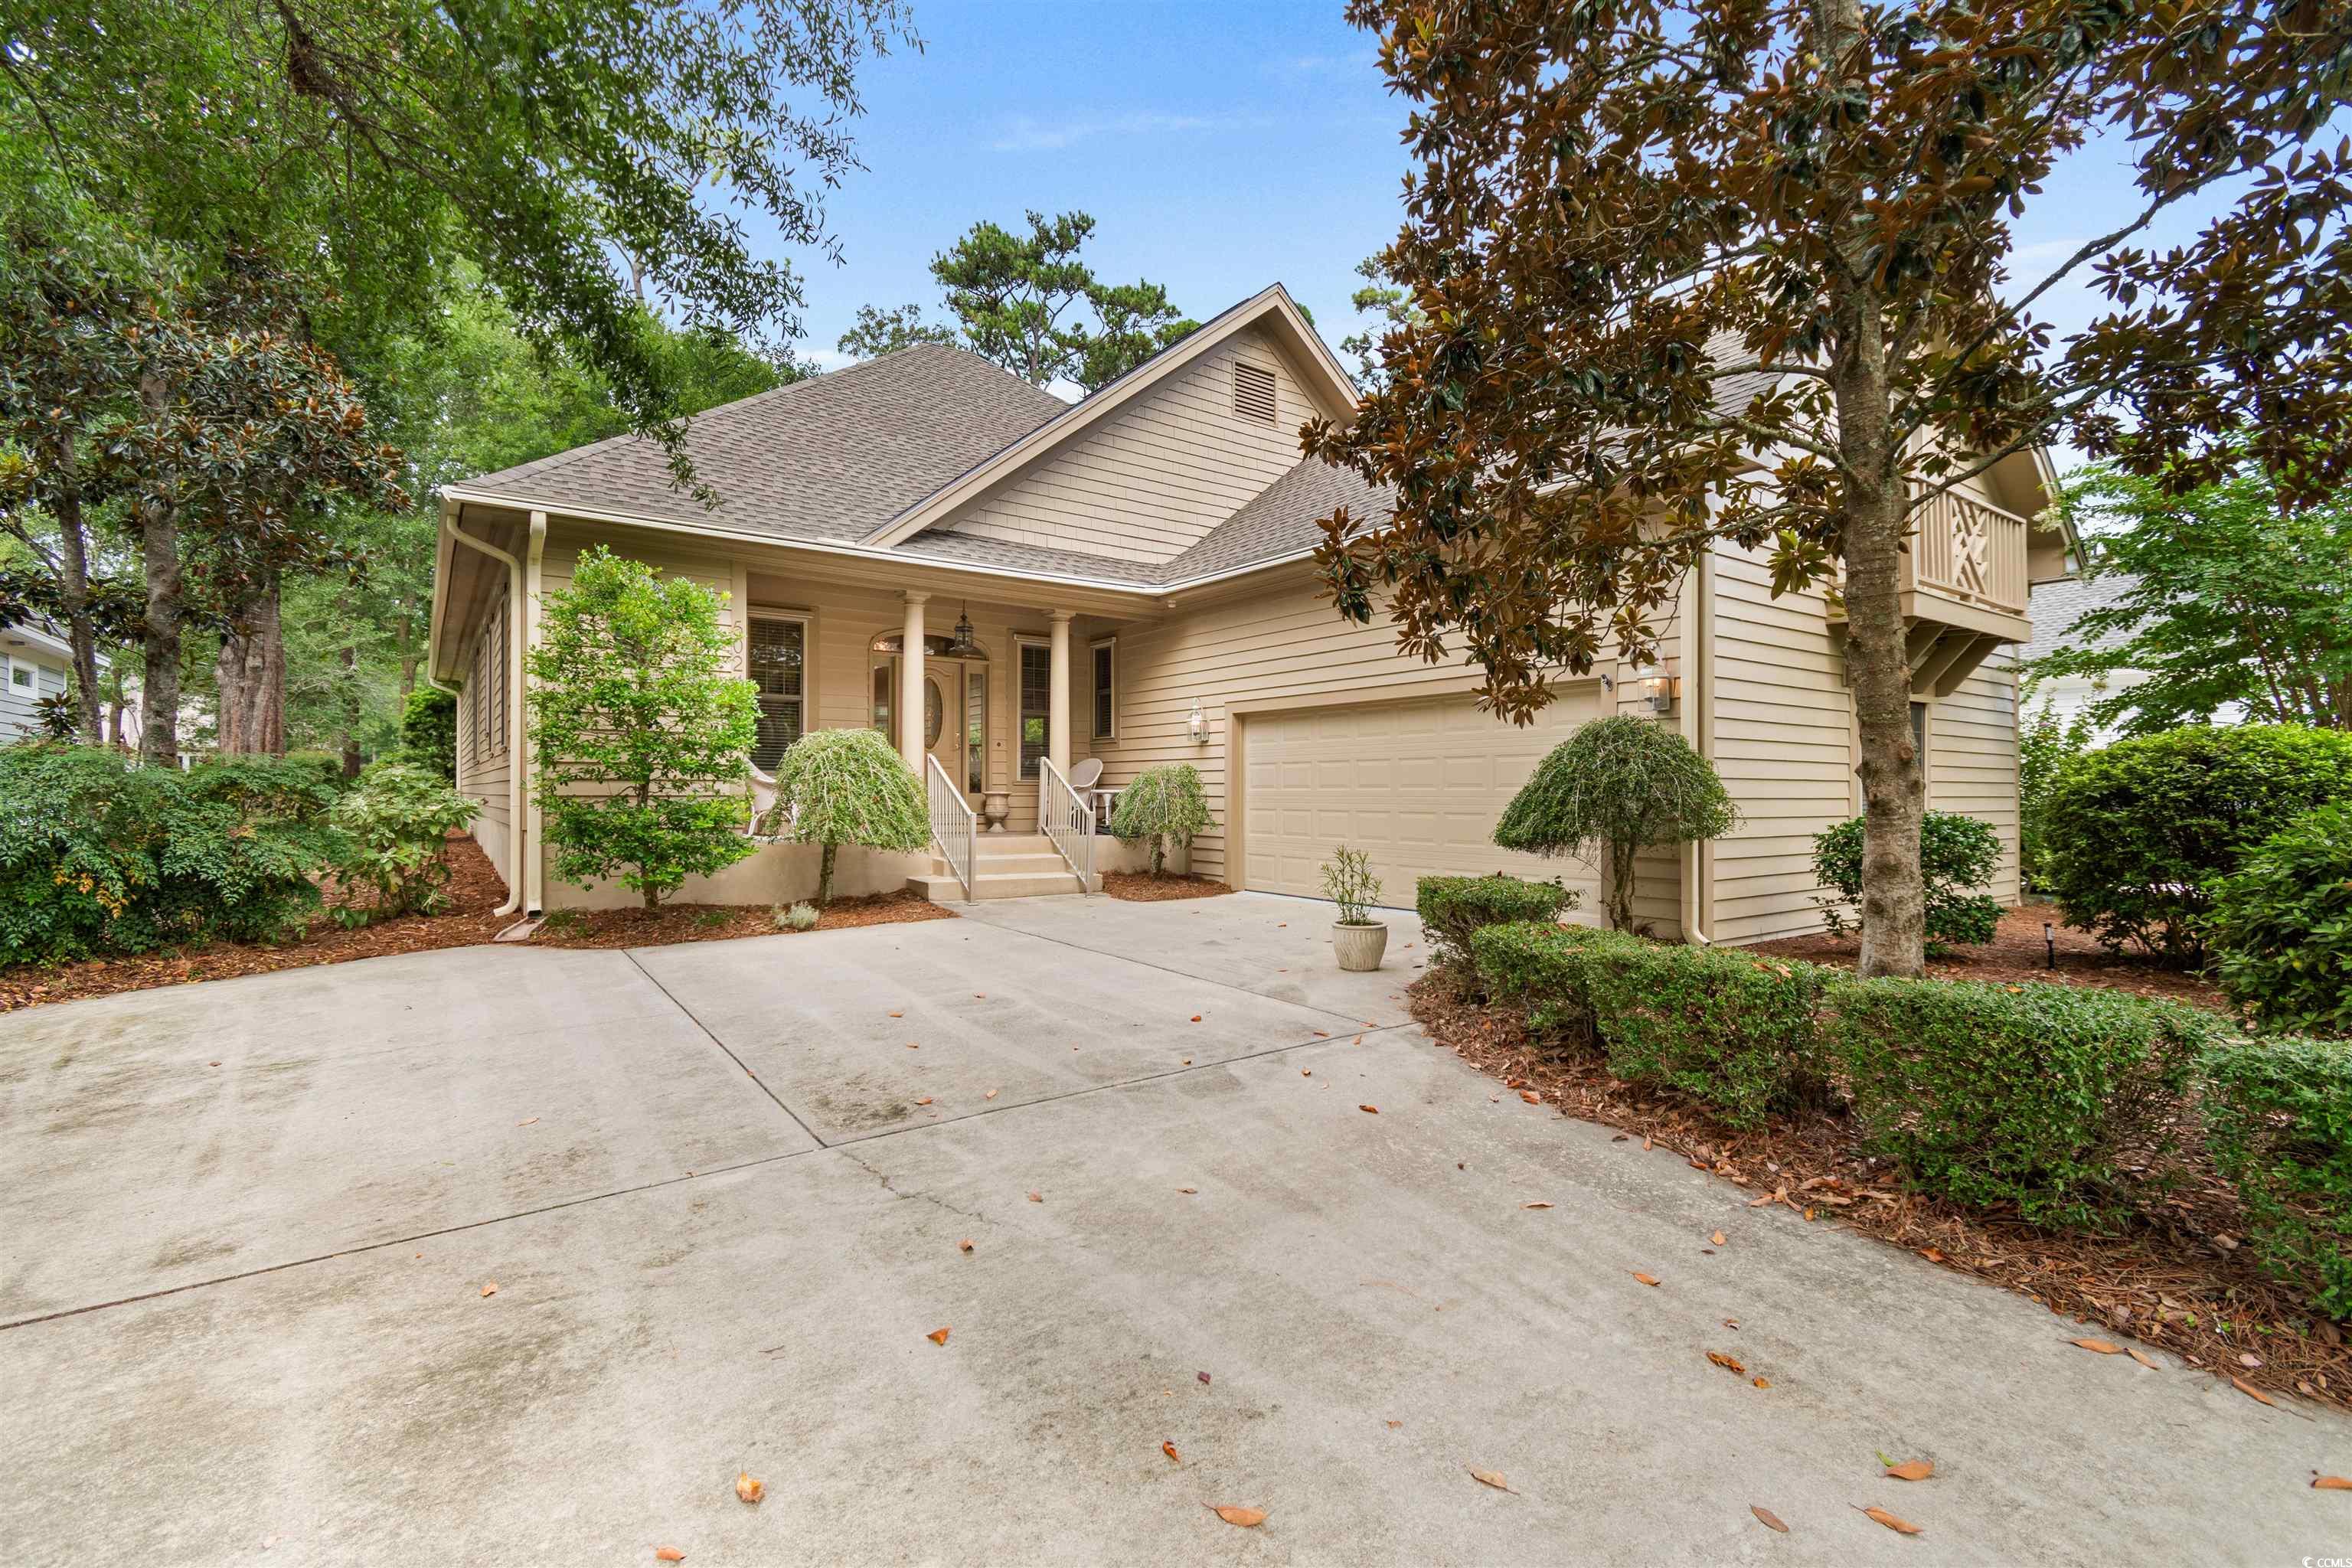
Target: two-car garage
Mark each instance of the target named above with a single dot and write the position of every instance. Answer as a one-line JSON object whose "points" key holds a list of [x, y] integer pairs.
{"points": [[1416, 785]]}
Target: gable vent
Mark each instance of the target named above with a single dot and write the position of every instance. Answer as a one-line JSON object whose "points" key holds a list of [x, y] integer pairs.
{"points": [[1253, 392]]}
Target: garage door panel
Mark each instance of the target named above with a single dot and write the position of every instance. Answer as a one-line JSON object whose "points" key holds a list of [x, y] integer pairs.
{"points": [[1418, 786]]}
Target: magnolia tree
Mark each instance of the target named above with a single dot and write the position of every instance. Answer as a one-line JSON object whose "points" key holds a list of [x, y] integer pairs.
{"points": [[850, 786], [1616, 787], [641, 735], [1683, 271]]}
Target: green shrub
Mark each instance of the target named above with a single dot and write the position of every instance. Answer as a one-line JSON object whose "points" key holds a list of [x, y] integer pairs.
{"points": [[2045, 745], [1617, 786], [1166, 806], [2058, 1101], [1452, 909], [643, 732], [2139, 833], [398, 818], [428, 731], [799, 917], [2278, 1121], [2282, 926], [850, 786], [1541, 966], [98, 854], [1736, 1030], [1957, 854]]}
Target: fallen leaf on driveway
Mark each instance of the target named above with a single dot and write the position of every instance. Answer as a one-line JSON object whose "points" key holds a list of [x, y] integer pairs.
{"points": [[1770, 1521], [913, 1047], [1491, 1479], [491, 1289], [1305, 1072], [1644, 1279], [1761, 1382], [749, 1490], [1188, 1190], [990, 1095], [669, 1554], [2143, 1359], [1759, 1203], [1531, 1097], [2330, 1483], [2251, 1391], [925, 1100], [1394, 1425], [1909, 1469], [964, 1245], [1370, 1109], [898, 1015], [1201, 1375], [1036, 1197], [1196, 1017], [1717, 1239], [526, 1121], [937, 1336], [1247, 1517], [1900, 1526], [1538, 1204], [2100, 1346], [1729, 1363], [1169, 1449]]}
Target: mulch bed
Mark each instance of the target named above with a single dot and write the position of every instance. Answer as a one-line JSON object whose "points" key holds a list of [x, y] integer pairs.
{"points": [[2176, 1279], [1143, 888], [474, 884], [2016, 954], [717, 923]]}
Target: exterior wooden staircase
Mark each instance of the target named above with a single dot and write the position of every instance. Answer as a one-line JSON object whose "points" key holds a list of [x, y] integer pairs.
{"points": [[1004, 865]]}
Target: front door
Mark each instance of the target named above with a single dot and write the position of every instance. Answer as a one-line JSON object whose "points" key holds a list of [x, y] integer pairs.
{"points": [[955, 720]]}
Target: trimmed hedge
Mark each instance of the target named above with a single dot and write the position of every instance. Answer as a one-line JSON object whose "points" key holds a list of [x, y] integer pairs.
{"points": [[2278, 1121], [1454, 909], [1737, 1031], [2058, 1101], [1542, 966], [2281, 926]]}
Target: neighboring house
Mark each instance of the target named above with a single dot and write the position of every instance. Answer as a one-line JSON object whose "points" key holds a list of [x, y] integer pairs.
{"points": [[1006, 583], [35, 662], [2056, 607]]}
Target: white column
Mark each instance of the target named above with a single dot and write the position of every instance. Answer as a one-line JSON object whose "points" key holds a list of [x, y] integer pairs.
{"points": [[910, 685], [1057, 703]]}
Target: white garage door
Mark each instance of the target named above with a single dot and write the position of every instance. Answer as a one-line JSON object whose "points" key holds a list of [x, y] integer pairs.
{"points": [[1417, 785]]}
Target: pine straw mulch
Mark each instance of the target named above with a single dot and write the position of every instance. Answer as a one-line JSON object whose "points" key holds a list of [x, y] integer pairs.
{"points": [[719, 922], [1143, 888], [2016, 955], [2175, 1280], [474, 884]]}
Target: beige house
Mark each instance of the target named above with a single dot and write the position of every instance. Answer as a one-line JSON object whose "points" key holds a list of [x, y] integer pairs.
{"points": [[1011, 586]]}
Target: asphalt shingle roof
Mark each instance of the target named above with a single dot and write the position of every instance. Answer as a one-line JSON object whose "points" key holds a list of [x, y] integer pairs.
{"points": [[2058, 605], [833, 457]]}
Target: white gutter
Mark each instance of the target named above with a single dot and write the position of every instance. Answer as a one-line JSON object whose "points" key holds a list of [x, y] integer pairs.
{"points": [[516, 891]]}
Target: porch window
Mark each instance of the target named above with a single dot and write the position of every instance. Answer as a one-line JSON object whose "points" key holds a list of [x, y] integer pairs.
{"points": [[779, 653], [1106, 703], [1036, 704]]}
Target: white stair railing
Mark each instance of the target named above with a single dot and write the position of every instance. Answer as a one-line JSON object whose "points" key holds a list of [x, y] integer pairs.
{"points": [[955, 829], [1065, 818]]}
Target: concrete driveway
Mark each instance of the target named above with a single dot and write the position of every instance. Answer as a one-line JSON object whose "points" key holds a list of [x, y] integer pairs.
{"points": [[721, 1189]]}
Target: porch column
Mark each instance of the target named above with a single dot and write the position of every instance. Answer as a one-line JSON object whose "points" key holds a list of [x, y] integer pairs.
{"points": [[910, 685], [1057, 702]]}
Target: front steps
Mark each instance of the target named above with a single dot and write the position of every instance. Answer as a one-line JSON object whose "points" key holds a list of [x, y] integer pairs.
{"points": [[1004, 865]]}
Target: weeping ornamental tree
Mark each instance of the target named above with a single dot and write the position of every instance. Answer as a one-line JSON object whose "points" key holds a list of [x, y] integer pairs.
{"points": [[1624, 207], [850, 786], [641, 733], [1616, 787]]}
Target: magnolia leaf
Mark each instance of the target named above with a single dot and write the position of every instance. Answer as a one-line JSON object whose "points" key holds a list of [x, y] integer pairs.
{"points": [[1644, 1279], [1770, 1520], [1900, 1526], [937, 1336], [1912, 1470], [1247, 1517], [1491, 1479]]}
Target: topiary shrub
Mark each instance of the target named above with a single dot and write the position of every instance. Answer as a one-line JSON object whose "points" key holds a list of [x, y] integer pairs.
{"points": [[2140, 832], [1735, 1030], [98, 854], [643, 732], [1542, 968], [428, 731], [1454, 909], [1165, 805], [397, 817], [2060, 1101], [1957, 853], [850, 786], [2282, 926], [2278, 1122], [1614, 788]]}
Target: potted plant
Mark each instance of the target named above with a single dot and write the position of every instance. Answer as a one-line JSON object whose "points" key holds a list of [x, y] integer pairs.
{"points": [[1358, 939]]}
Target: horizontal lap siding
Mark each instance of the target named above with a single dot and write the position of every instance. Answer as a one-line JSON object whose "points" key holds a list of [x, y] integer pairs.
{"points": [[1972, 760], [1152, 478]]}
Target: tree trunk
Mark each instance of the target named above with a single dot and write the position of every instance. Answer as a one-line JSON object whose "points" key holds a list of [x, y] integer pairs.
{"points": [[403, 631], [251, 673], [159, 553], [825, 874], [350, 660], [73, 590]]}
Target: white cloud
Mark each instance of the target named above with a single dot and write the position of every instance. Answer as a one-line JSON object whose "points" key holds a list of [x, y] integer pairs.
{"points": [[827, 359], [1025, 134]]}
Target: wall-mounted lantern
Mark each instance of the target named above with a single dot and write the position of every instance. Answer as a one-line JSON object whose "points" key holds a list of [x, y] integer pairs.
{"points": [[1199, 723]]}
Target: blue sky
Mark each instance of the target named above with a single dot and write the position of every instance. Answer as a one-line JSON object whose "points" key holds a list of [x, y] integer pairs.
{"points": [[1220, 147]]}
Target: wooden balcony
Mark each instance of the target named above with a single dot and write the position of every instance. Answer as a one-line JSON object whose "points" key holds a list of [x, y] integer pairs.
{"points": [[1965, 586]]}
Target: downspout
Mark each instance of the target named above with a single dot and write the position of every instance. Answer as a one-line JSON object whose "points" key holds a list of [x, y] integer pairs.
{"points": [[1694, 727], [515, 890]]}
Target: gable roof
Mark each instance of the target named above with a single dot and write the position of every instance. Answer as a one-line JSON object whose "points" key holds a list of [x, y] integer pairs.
{"points": [[2058, 605], [834, 457]]}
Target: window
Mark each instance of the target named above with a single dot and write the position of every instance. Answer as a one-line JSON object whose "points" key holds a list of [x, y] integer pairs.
{"points": [[886, 682], [1106, 703], [1919, 738], [1253, 392], [975, 739], [1036, 704], [20, 676], [488, 684], [779, 653]]}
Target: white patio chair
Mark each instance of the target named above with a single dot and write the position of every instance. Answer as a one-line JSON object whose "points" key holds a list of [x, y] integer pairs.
{"points": [[1086, 776]]}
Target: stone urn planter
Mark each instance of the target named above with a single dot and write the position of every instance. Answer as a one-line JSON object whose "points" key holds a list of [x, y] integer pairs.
{"points": [[1359, 943], [995, 809]]}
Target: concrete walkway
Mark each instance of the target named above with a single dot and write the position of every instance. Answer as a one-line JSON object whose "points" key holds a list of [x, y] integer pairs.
{"points": [[721, 1199]]}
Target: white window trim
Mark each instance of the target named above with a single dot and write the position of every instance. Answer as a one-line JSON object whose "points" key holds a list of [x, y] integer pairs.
{"points": [[29, 668], [1095, 648]]}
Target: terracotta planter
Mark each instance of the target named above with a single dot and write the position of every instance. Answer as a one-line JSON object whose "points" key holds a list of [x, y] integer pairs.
{"points": [[1360, 946]]}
